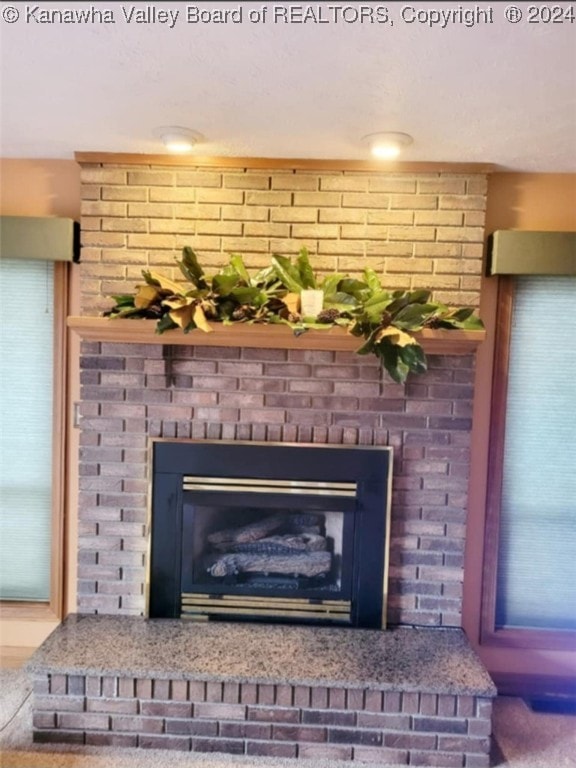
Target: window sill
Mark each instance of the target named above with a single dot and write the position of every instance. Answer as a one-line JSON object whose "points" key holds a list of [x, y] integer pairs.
{"points": [[25, 611]]}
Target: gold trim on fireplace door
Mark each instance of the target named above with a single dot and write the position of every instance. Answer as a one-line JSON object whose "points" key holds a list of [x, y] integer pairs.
{"points": [[200, 606], [257, 485], [387, 534]]}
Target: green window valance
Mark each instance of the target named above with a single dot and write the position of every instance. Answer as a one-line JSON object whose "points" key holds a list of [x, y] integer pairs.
{"points": [[532, 253], [37, 238]]}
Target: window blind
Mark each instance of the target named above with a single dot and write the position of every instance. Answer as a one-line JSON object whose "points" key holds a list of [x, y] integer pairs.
{"points": [[26, 394], [537, 552]]}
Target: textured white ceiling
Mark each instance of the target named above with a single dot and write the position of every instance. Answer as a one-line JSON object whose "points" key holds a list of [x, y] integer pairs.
{"points": [[496, 92]]}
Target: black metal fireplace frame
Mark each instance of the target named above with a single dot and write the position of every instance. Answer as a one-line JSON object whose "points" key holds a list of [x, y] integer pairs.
{"points": [[366, 514]]}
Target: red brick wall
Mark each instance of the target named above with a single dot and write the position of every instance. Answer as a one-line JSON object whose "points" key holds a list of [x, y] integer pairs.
{"points": [[131, 393], [317, 723]]}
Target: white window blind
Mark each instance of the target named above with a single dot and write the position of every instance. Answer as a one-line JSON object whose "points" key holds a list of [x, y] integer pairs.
{"points": [[537, 550], [26, 373]]}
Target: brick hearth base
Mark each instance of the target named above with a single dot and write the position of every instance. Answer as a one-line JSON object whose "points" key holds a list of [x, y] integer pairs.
{"points": [[402, 696]]}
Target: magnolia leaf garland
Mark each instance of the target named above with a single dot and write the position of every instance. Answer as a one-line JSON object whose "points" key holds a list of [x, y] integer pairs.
{"points": [[386, 320]]}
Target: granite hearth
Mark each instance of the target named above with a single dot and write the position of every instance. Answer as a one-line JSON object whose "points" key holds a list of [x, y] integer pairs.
{"points": [[407, 696]]}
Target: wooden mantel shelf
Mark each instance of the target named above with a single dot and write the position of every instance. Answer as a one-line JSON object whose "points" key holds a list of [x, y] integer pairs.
{"points": [[434, 342]]}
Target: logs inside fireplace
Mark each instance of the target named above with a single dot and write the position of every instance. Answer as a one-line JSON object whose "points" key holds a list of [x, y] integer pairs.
{"points": [[272, 532]]}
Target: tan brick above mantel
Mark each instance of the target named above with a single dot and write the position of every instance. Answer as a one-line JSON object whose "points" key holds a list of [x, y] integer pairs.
{"points": [[434, 341], [415, 225]]}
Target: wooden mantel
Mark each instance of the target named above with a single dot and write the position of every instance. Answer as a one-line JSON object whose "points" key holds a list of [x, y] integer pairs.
{"points": [[137, 331]]}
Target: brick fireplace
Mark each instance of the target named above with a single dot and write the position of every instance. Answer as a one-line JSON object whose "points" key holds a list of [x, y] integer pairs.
{"points": [[278, 396], [416, 230]]}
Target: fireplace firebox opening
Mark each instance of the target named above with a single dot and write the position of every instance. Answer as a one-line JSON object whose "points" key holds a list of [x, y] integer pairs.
{"points": [[276, 532]]}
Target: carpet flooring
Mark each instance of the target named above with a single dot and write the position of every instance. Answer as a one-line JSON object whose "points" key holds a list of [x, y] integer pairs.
{"points": [[522, 739]]}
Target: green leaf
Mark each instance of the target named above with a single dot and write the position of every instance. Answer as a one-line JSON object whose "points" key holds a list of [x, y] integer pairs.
{"points": [[355, 288], [117, 312], [419, 297], [460, 318], [313, 325], [277, 320], [147, 275], [340, 299], [343, 322], [124, 299], [398, 371], [390, 358], [266, 277], [472, 323], [247, 295], [237, 263], [398, 303], [347, 310], [305, 270], [370, 343], [375, 306], [288, 273], [380, 298], [462, 314], [330, 284], [413, 356], [165, 324], [372, 281], [412, 317], [223, 284], [191, 269]]}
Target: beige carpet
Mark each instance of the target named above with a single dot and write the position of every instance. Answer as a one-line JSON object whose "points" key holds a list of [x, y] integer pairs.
{"points": [[523, 740], [14, 689], [533, 740]]}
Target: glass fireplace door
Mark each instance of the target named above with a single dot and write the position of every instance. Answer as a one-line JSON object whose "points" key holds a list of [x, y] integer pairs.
{"points": [[280, 550], [269, 531]]}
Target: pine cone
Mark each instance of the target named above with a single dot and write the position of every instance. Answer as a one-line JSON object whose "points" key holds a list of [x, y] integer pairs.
{"points": [[244, 312], [328, 316]]}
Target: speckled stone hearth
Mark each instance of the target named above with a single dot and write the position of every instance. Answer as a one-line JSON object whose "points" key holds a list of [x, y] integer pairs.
{"points": [[403, 696]]}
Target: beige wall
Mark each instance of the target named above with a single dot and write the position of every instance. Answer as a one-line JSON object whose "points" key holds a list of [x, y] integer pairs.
{"points": [[538, 202], [531, 201], [40, 188]]}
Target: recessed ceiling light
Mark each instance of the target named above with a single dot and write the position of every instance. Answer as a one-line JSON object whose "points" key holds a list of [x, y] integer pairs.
{"points": [[387, 145], [177, 139]]}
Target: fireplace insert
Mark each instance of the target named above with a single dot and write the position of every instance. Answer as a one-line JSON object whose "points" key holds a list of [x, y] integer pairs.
{"points": [[269, 532]]}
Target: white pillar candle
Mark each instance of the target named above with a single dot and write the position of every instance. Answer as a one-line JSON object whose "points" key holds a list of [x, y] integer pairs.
{"points": [[311, 302]]}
